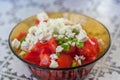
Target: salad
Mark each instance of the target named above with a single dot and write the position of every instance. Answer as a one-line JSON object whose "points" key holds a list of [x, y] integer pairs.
{"points": [[56, 43]]}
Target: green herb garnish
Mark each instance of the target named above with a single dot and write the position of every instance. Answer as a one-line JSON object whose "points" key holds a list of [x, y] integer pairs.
{"points": [[21, 41], [80, 44], [58, 54], [74, 40], [74, 64], [65, 47], [75, 31]]}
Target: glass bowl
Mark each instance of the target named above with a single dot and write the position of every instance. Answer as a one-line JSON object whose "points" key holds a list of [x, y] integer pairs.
{"points": [[93, 29]]}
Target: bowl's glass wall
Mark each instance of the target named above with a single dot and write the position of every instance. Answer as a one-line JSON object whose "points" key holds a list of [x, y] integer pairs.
{"points": [[72, 74], [92, 27]]}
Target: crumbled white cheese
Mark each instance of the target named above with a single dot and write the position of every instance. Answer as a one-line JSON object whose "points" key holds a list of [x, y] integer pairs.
{"points": [[62, 31], [82, 57], [59, 36], [73, 44], [30, 38], [79, 59], [32, 30], [25, 46], [76, 57], [77, 27], [15, 43], [59, 49], [79, 62], [42, 16], [53, 64], [53, 56], [91, 42], [82, 36], [42, 24]]}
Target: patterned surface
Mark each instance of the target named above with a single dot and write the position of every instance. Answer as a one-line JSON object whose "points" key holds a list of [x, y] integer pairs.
{"points": [[13, 11]]}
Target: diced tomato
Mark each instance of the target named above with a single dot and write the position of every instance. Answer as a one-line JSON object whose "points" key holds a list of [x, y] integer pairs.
{"points": [[32, 57], [52, 44], [96, 44], [45, 57], [72, 51], [21, 35], [93, 48], [89, 59], [37, 22], [90, 49], [65, 61]]}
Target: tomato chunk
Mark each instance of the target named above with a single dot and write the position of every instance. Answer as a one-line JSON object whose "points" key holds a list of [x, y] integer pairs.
{"points": [[45, 57], [90, 49], [37, 22], [65, 61], [52, 44], [21, 35], [32, 57], [72, 51]]}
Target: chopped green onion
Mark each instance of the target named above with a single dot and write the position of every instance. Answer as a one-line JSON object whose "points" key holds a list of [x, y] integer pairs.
{"points": [[63, 40], [80, 44], [58, 54], [60, 42], [75, 31], [21, 41], [65, 47], [22, 53], [75, 40], [74, 64]]}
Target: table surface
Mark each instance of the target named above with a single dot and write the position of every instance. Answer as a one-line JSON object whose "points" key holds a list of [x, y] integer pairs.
{"points": [[14, 11]]}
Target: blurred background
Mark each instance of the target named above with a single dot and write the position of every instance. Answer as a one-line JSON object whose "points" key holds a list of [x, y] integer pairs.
{"points": [[105, 11]]}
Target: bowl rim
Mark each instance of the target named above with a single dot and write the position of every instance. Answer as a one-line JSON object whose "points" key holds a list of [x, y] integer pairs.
{"points": [[48, 68]]}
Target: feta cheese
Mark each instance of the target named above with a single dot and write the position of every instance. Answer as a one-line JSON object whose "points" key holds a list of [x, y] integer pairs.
{"points": [[78, 27], [79, 59], [44, 37], [60, 36], [25, 46], [71, 35], [59, 49], [73, 44], [76, 57], [91, 42], [15, 43], [30, 38], [82, 57], [53, 56], [32, 30], [79, 62], [42, 16], [82, 36], [53, 64], [42, 24]]}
